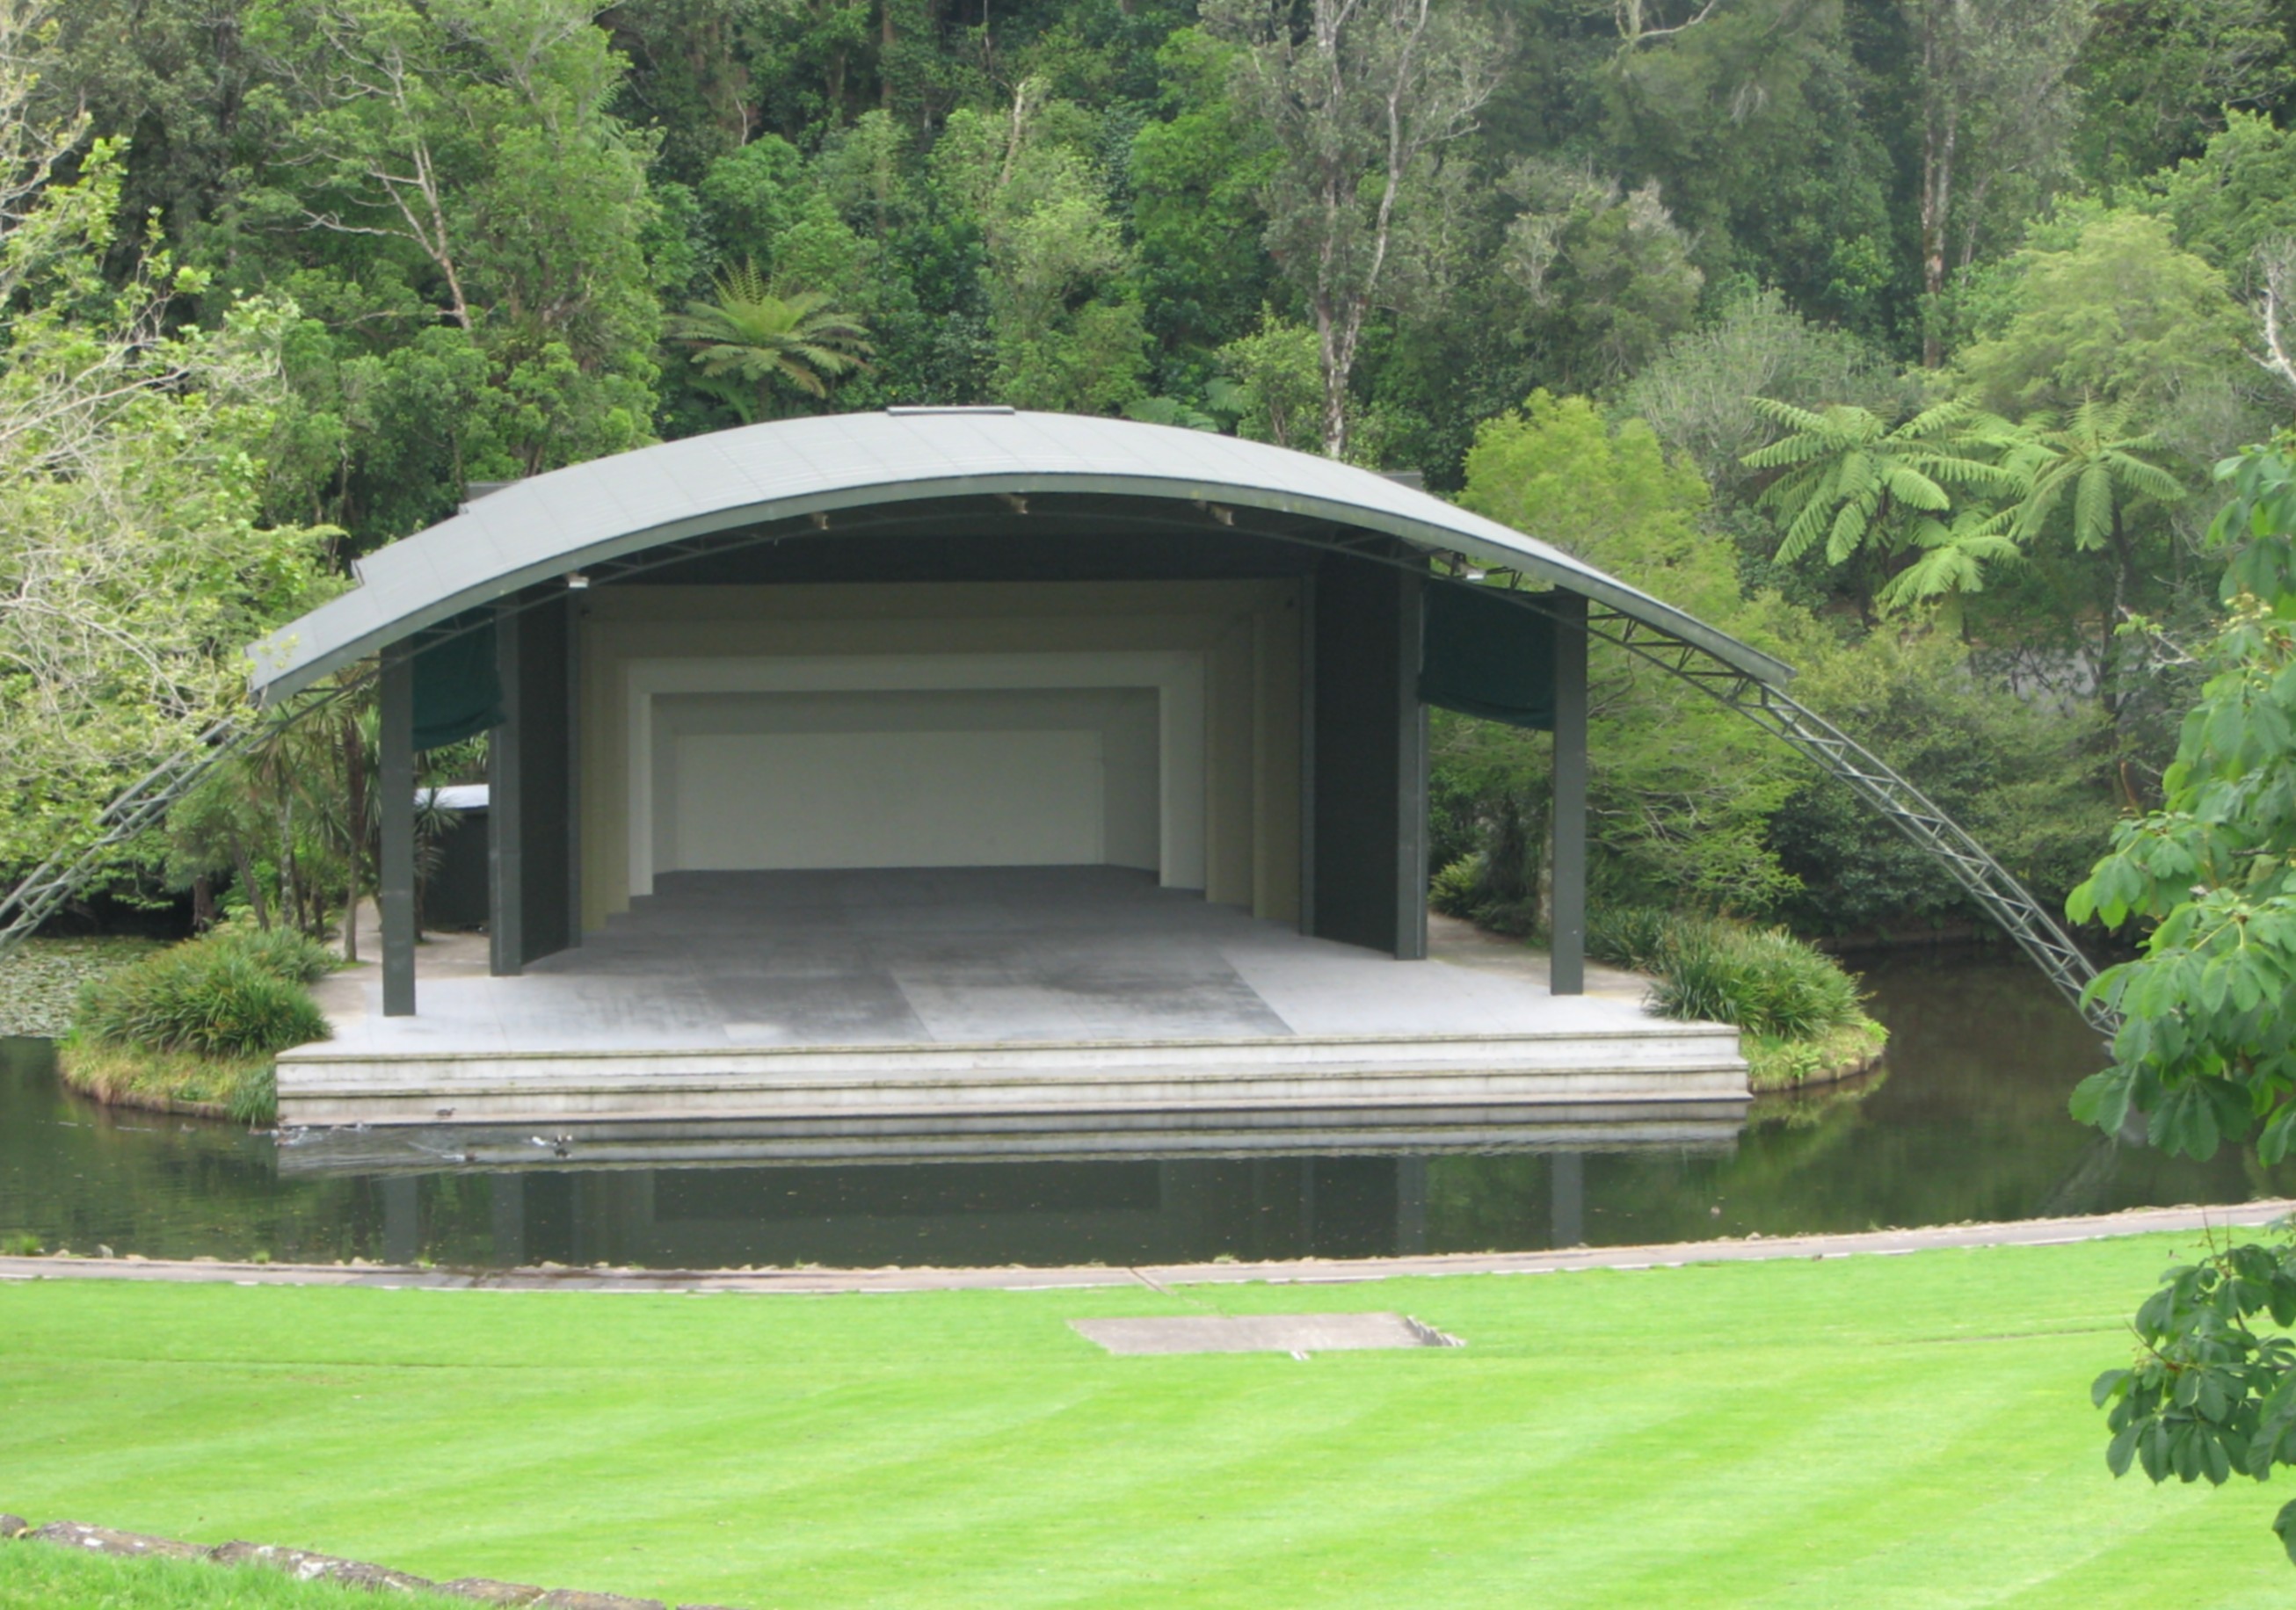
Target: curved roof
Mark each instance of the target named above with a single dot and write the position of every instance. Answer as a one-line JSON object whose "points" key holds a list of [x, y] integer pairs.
{"points": [[590, 513]]}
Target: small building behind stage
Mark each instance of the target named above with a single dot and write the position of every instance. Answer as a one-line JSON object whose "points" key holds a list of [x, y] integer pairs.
{"points": [[965, 767]]}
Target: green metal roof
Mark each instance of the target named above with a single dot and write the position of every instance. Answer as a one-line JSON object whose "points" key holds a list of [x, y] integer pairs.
{"points": [[588, 514]]}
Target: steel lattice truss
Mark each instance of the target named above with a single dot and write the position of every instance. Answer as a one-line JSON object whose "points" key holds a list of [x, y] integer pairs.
{"points": [[137, 809], [1992, 885]]}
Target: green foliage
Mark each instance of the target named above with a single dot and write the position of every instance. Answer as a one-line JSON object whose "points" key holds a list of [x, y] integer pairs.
{"points": [[1608, 269], [134, 555], [2208, 1395], [2023, 778], [1682, 790], [2118, 312], [2157, 79], [1754, 124], [1065, 326], [2097, 457], [2204, 1047], [2205, 1053], [1195, 178], [1701, 392], [223, 996], [447, 192], [1279, 386], [2236, 196]]}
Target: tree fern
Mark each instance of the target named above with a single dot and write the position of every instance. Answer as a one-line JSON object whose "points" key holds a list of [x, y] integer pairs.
{"points": [[749, 333], [1846, 475]]}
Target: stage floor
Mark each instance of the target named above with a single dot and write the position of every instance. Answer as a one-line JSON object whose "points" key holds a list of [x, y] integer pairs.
{"points": [[949, 965]]}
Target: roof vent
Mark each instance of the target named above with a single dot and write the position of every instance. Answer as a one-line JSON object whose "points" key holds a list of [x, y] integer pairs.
{"points": [[914, 408], [1416, 479], [475, 490]]}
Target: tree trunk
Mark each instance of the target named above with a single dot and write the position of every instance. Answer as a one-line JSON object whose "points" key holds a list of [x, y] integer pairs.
{"points": [[1940, 130], [885, 54], [252, 884], [2124, 565]]}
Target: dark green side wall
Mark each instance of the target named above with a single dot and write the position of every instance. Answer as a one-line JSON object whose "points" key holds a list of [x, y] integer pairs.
{"points": [[531, 772], [546, 761], [1367, 780]]}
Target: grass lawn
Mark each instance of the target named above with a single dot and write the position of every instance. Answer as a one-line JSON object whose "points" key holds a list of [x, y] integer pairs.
{"points": [[34, 1576], [1904, 1431]]}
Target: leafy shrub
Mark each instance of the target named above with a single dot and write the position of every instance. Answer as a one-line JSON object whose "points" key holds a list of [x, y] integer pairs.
{"points": [[212, 996], [1453, 890]]}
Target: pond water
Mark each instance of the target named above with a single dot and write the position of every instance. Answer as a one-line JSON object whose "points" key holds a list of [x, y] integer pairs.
{"points": [[1966, 1121]]}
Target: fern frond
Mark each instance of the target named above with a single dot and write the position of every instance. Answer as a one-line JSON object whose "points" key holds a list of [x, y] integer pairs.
{"points": [[2093, 506]]}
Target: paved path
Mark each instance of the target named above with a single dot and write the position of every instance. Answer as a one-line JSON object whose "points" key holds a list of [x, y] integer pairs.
{"points": [[1312, 1271]]}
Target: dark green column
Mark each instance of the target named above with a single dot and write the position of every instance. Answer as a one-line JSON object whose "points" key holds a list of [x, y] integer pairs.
{"points": [[1410, 775], [1567, 974], [505, 801], [396, 781]]}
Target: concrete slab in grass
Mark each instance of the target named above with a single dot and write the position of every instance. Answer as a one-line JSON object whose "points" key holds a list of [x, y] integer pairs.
{"points": [[1299, 1333]]}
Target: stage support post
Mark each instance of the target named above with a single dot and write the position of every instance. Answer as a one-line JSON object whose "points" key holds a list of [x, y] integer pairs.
{"points": [[1567, 974], [397, 784]]}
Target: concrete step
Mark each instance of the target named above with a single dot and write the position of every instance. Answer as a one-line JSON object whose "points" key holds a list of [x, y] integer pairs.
{"points": [[1708, 1126], [319, 1085]]}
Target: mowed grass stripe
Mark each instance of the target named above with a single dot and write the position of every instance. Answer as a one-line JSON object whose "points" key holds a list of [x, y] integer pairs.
{"points": [[1906, 1430]]}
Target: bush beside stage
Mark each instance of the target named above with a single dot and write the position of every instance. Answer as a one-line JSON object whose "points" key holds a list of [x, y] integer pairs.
{"points": [[194, 1027]]}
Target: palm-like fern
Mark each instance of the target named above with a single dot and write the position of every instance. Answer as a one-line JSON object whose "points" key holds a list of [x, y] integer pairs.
{"points": [[748, 332], [1850, 477], [1950, 558], [2094, 456]]}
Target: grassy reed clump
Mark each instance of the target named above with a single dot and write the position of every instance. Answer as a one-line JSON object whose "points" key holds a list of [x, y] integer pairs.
{"points": [[197, 1024], [1764, 980], [1801, 1013], [234, 993], [243, 1087]]}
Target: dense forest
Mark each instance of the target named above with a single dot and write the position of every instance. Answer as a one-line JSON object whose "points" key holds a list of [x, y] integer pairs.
{"points": [[1896, 337]]}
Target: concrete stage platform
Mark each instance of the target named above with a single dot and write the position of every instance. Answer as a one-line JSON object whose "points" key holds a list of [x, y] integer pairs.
{"points": [[1005, 997]]}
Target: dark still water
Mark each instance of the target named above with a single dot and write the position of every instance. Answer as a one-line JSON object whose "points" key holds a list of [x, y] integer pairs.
{"points": [[1966, 1121]]}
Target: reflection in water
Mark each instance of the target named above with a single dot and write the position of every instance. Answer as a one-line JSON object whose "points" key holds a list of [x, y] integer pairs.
{"points": [[1968, 1123]]}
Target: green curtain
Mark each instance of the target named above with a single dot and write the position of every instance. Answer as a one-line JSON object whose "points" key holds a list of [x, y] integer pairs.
{"points": [[1487, 654], [456, 692]]}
